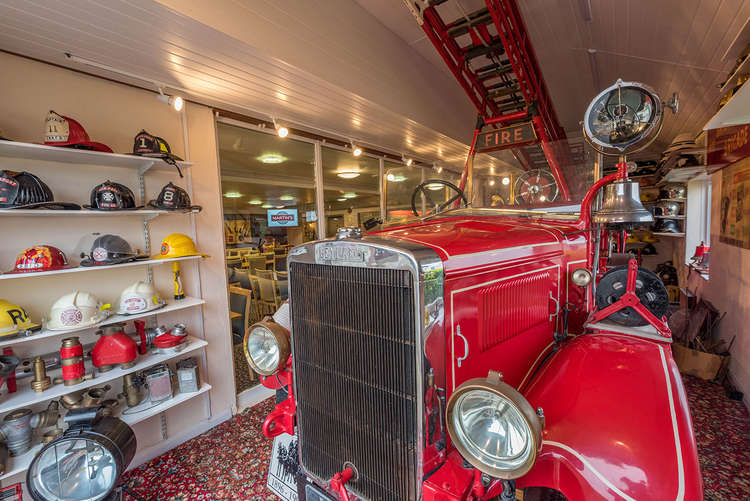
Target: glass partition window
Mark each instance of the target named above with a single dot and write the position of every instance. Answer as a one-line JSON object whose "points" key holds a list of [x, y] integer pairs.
{"points": [[351, 189]]}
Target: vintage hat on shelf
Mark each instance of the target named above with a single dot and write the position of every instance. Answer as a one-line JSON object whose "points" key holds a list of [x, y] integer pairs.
{"points": [[174, 198], [40, 258], [14, 319], [76, 310], [139, 297], [149, 145], [64, 131], [667, 226], [112, 196], [110, 249], [177, 245], [682, 141], [23, 190]]}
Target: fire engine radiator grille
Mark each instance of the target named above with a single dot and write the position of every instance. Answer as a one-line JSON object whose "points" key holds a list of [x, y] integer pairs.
{"points": [[354, 361], [511, 307]]}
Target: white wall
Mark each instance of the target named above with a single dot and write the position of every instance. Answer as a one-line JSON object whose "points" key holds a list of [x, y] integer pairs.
{"points": [[729, 290], [113, 113]]}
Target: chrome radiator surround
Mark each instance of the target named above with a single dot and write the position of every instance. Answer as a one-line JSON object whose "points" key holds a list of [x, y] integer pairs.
{"points": [[425, 270]]}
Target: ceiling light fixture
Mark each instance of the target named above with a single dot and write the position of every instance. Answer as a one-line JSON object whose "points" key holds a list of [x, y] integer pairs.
{"points": [[266, 206], [271, 158], [492, 182], [341, 199], [506, 181], [356, 150], [492, 170], [281, 131], [279, 206], [349, 195], [233, 194], [175, 102], [434, 186], [255, 201], [286, 198], [407, 161], [348, 174]]}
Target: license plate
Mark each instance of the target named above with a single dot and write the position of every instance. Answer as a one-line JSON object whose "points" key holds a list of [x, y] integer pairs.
{"points": [[312, 493], [283, 483]]}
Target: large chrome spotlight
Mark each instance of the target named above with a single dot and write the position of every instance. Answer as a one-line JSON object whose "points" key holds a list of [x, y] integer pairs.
{"points": [[623, 118], [85, 462], [494, 427], [266, 347]]}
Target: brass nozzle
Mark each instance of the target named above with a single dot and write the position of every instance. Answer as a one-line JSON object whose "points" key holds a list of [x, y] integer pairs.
{"points": [[41, 380]]}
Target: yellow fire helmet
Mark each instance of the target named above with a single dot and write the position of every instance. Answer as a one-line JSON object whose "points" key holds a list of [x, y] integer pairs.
{"points": [[177, 245], [14, 319]]}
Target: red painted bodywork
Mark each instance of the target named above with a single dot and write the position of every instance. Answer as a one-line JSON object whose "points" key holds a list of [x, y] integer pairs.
{"points": [[617, 424]]}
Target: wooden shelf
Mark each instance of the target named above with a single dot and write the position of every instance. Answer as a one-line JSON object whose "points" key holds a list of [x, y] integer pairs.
{"points": [[150, 213], [82, 269], [31, 151], [172, 305], [21, 463], [26, 397], [670, 217], [672, 200], [744, 67], [683, 174], [676, 235]]}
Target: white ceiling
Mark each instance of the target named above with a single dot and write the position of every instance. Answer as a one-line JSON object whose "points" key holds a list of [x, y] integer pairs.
{"points": [[330, 65], [671, 45]]}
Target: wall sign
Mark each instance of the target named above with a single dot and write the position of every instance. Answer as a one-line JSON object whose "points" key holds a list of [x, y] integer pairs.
{"points": [[506, 137], [728, 144], [734, 219], [282, 217]]}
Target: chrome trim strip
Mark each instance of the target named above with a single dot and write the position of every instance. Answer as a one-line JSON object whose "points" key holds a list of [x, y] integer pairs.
{"points": [[427, 271]]}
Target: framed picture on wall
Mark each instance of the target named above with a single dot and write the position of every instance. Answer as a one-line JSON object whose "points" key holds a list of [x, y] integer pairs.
{"points": [[734, 222]]}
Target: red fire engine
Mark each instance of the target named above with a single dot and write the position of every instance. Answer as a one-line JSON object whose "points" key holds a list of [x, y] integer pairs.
{"points": [[500, 342]]}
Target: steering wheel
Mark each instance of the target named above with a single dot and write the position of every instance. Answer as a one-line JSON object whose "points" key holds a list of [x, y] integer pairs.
{"points": [[437, 207], [536, 185]]}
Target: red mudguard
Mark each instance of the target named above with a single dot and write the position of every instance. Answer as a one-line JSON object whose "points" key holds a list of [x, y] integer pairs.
{"points": [[617, 426]]}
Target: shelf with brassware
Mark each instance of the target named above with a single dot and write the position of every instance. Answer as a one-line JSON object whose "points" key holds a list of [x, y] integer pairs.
{"points": [[26, 396], [20, 464], [148, 213], [172, 305]]}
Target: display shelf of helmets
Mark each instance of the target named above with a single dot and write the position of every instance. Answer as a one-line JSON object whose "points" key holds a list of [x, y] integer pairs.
{"points": [[31, 151], [671, 161], [172, 305], [81, 269], [148, 213], [26, 397], [735, 112], [683, 174], [20, 464]]}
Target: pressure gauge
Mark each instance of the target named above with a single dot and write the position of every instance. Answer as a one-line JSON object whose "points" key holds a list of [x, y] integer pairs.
{"points": [[623, 118]]}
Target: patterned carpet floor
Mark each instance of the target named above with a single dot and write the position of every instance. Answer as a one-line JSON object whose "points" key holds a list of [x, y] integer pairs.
{"points": [[231, 460]]}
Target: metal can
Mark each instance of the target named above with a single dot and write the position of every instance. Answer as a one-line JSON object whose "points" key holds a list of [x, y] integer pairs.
{"points": [[188, 376]]}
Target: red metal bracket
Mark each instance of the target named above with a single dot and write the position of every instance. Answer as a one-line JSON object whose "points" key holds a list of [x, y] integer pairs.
{"points": [[281, 419], [339, 480], [630, 300]]}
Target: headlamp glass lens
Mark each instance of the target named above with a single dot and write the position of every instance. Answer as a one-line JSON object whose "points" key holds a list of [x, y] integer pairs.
{"points": [[492, 429], [263, 349], [76, 469]]}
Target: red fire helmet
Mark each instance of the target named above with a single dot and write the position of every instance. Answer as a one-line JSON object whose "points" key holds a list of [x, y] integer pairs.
{"points": [[64, 131], [40, 258]]}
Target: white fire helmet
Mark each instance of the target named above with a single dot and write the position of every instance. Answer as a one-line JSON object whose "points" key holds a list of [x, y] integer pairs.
{"points": [[140, 297], [76, 310]]}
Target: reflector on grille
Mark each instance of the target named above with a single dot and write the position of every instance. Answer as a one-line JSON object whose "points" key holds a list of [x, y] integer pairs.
{"points": [[355, 368]]}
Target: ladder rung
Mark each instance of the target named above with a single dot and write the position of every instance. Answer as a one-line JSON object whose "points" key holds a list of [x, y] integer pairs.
{"points": [[474, 51], [461, 26], [493, 71], [494, 93]]}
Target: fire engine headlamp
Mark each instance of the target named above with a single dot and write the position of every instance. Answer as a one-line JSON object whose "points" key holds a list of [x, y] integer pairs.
{"points": [[266, 347], [494, 427]]}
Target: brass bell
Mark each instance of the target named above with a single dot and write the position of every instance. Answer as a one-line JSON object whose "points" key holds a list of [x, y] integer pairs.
{"points": [[622, 205]]}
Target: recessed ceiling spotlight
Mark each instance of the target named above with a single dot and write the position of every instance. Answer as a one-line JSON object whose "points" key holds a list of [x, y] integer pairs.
{"points": [[349, 195], [356, 151], [506, 180], [271, 158], [492, 182], [232, 194], [348, 174], [492, 170], [407, 161], [266, 206], [286, 198], [255, 201]]}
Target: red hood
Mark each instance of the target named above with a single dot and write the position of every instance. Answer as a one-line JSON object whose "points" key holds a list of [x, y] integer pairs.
{"points": [[468, 241]]}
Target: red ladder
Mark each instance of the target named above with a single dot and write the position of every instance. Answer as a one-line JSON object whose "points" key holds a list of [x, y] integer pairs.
{"points": [[499, 71]]}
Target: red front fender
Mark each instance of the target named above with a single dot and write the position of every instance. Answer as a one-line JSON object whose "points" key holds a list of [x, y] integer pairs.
{"points": [[617, 422]]}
